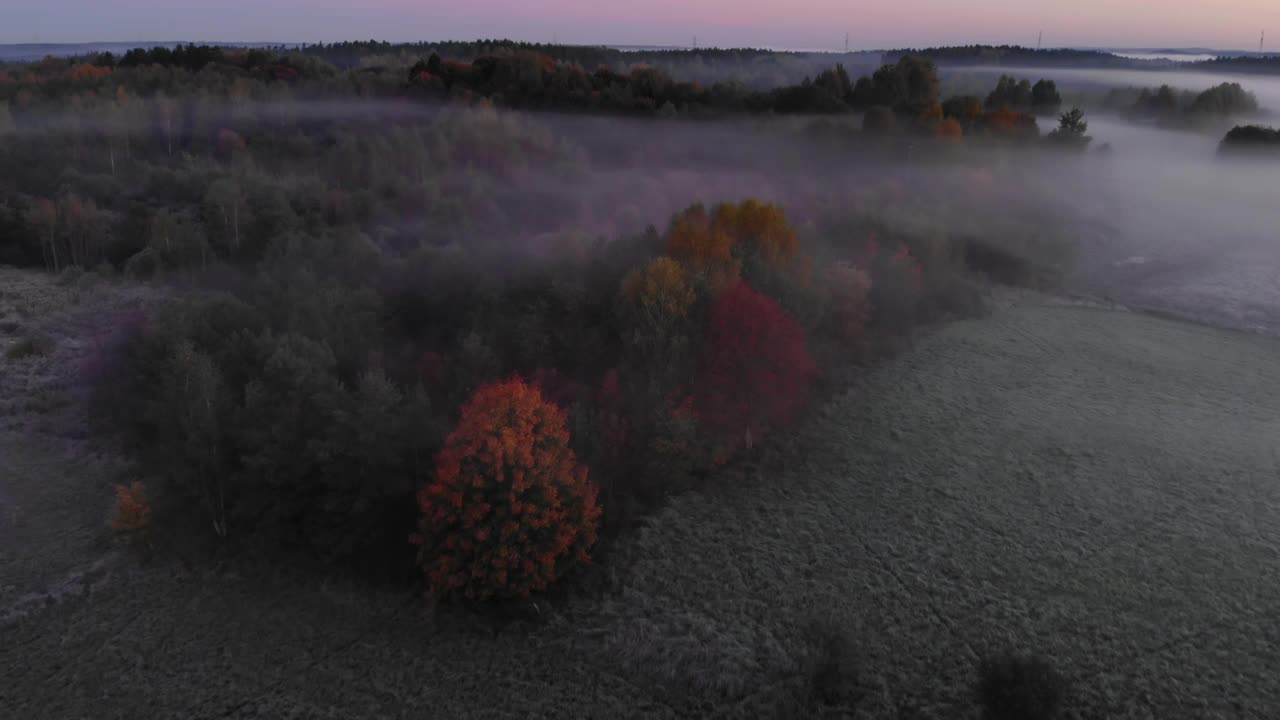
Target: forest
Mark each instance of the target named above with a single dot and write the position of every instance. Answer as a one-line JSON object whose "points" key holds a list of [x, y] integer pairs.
{"points": [[462, 317], [357, 257]]}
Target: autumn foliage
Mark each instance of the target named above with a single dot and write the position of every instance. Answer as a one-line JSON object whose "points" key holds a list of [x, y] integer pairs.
{"points": [[85, 71], [132, 512], [756, 367], [761, 227], [712, 244], [509, 510], [703, 247]]}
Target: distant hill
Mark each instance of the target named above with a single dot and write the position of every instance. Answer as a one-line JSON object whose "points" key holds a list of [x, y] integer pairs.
{"points": [[26, 52], [1250, 63], [1014, 55]]}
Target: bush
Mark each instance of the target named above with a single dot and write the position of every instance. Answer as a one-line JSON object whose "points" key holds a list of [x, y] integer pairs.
{"points": [[850, 308], [896, 288], [1013, 687], [509, 510], [831, 667], [132, 511], [30, 345]]}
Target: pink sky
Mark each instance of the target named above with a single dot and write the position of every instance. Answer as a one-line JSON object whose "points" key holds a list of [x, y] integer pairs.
{"points": [[779, 23]]}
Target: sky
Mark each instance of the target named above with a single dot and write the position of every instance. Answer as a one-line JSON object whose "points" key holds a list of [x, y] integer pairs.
{"points": [[795, 24]]}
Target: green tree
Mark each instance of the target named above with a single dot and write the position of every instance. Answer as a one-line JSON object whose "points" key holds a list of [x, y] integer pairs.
{"points": [[7, 124], [1072, 130], [1045, 97]]}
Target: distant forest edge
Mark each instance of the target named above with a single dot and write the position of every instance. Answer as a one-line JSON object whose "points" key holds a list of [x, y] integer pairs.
{"points": [[901, 95], [350, 55]]}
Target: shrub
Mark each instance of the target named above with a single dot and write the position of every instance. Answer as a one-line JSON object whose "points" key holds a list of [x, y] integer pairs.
{"points": [[831, 664], [509, 510], [850, 307], [30, 345], [1013, 687], [755, 369], [132, 512], [897, 285]]}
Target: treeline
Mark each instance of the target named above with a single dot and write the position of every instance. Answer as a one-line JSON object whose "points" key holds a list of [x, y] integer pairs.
{"points": [[1014, 55], [1269, 65], [1249, 139], [1170, 106], [753, 68], [903, 96], [1020, 95]]}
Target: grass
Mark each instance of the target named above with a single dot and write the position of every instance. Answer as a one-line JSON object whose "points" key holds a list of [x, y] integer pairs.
{"points": [[1040, 479]]}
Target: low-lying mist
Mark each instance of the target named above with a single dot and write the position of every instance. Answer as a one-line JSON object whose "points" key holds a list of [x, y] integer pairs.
{"points": [[1158, 219], [1265, 87]]}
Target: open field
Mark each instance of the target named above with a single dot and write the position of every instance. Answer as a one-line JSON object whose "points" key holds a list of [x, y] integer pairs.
{"points": [[1094, 485]]}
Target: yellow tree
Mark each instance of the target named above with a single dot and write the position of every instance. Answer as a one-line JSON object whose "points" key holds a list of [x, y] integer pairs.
{"points": [[655, 303], [703, 247]]}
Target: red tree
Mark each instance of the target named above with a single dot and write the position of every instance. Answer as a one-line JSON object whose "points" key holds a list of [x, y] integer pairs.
{"points": [[132, 511], [756, 367], [509, 509]]}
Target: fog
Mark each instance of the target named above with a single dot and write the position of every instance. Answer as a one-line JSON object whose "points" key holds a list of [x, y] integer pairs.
{"points": [[1073, 80], [1187, 231], [1160, 221]]}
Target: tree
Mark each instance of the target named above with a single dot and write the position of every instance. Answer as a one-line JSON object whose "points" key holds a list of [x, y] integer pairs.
{"points": [[509, 509], [43, 216], [1225, 100], [1045, 98], [655, 304], [755, 370], [1251, 137], [224, 205], [878, 121], [1010, 94], [760, 229], [167, 109], [836, 82], [967, 109], [703, 247], [909, 87], [7, 125], [1072, 129], [193, 420]]}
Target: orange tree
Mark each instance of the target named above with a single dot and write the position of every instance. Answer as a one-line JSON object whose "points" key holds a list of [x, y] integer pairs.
{"points": [[509, 510], [703, 246]]}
